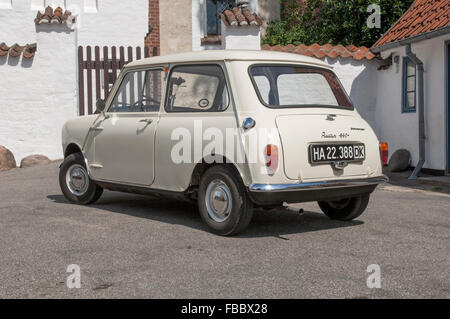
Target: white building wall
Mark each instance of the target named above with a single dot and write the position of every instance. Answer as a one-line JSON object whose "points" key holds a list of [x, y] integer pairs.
{"points": [[115, 23], [35, 99], [199, 29], [38, 95], [359, 79], [241, 38], [399, 129]]}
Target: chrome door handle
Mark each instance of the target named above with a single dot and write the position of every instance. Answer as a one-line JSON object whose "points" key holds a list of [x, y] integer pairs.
{"points": [[148, 121]]}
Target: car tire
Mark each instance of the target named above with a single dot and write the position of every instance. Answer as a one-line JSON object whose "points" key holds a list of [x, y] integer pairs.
{"points": [[345, 209], [75, 183], [223, 201]]}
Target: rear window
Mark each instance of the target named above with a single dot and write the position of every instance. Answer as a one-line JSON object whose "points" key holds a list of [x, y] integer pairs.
{"points": [[298, 86]]}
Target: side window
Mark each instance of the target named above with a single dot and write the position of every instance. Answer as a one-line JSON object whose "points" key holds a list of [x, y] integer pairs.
{"points": [[409, 86], [264, 87], [140, 91], [200, 88]]}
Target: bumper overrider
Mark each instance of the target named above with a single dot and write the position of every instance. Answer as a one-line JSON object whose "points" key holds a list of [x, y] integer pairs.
{"points": [[275, 194]]}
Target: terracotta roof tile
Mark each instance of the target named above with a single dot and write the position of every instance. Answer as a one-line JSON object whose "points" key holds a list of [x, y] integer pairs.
{"points": [[50, 16], [16, 50], [327, 47], [240, 17], [352, 48], [333, 54], [423, 16], [327, 50]]}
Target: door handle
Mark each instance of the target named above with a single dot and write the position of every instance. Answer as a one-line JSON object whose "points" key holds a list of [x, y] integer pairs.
{"points": [[148, 121]]}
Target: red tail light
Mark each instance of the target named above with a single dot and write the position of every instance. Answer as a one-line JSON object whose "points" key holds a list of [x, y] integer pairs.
{"points": [[384, 152], [271, 154]]}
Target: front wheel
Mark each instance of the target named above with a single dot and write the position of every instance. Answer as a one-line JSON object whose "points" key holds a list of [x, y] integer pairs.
{"points": [[75, 183], [345, 209], [223, 201]]}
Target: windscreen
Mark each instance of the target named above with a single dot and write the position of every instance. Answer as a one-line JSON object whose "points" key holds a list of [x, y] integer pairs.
{"points": [[298, 86]]}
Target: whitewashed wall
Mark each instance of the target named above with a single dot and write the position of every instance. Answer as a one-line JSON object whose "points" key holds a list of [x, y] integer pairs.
{"points": [[199, 29], [37, 96], [359, 79], [399, 129], [241, 38]]}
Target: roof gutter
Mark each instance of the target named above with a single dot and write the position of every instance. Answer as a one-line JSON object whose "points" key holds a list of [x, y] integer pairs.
{"points": [[417, 38], [421, 105]]}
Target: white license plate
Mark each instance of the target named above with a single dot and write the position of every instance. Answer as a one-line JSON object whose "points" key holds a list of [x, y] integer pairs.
{"points": [[330, 153]]}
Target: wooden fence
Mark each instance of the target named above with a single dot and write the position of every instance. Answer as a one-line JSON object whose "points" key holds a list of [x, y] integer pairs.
{"points": [[98, 70]]}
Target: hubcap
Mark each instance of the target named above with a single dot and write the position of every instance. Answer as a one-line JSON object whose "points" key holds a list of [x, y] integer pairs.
{"points": [[77, 180], [218, 201]]}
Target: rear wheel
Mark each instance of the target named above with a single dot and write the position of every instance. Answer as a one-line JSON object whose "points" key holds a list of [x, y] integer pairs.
{"points": [[75, 183], [345, 209], [223, 202]]}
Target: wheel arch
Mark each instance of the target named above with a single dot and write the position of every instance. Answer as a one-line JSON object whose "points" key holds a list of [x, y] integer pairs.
{"points": [[72, 148], [208, 162]]}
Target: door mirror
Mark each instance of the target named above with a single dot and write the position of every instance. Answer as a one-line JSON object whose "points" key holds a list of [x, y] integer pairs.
{"points": [[100, 105]]}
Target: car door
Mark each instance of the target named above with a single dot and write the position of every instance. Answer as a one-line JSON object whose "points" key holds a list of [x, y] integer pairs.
{"points": [[122, 142], [198, 114]]}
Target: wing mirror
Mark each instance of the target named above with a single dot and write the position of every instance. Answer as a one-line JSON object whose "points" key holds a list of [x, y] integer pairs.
{"points": [[100, 105]]}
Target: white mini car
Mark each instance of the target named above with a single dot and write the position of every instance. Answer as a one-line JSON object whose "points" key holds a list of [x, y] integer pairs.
{"points": [[231, 130]]}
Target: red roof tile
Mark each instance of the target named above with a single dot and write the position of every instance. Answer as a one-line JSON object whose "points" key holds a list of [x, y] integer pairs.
{"points": [[240, 17], [321, 51], [50, 16], [423, 16], [16, 50]]}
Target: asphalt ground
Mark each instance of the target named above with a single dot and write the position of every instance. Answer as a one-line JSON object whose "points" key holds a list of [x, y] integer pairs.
{"points": [[131, 246]]}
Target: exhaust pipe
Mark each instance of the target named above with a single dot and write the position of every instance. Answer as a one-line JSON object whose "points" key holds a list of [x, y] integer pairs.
{"points": [[421, 107]]}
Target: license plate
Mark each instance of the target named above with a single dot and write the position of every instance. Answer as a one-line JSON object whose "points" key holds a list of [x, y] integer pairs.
{"points": [[329, 153]]}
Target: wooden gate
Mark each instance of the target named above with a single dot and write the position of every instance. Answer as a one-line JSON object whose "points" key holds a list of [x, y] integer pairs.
{"points": [[98, 70]]}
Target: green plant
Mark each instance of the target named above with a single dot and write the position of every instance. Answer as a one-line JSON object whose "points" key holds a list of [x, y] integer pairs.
{"points": [[332, 21]]}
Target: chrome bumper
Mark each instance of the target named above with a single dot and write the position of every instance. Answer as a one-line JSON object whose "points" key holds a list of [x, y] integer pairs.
{"points": [[318, 185]]}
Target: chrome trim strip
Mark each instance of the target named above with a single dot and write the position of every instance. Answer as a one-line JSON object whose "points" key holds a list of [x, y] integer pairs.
{"points": [[318, 185]]}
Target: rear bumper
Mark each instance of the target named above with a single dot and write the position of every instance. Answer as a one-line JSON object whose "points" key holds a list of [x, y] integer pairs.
{"points": [[275, 194]]}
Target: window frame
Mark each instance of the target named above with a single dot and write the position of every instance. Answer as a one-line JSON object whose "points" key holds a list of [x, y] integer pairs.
{"points": [[405, 76], [173, 67], [115, 89], [256, 89], [218, 21]]}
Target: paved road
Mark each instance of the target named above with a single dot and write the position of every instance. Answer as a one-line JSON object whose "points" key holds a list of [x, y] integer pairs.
{"points": [[134, 246]]}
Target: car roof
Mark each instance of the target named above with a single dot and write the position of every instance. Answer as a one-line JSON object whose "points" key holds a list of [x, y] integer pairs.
{"points": [[230, 55]]}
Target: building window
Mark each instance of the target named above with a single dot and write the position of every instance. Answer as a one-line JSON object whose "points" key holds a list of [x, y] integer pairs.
{"points": [[214, 9], [409, 86]]}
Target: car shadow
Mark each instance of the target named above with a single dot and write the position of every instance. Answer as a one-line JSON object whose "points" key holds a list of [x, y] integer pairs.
{"points": [[274, 223]]}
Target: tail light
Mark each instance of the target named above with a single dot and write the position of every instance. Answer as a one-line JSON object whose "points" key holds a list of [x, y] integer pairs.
{"points": [[384, 152], [271, 154]]}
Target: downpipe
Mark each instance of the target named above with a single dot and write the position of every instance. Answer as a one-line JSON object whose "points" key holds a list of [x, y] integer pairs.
{"points": [[421, 107]]}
